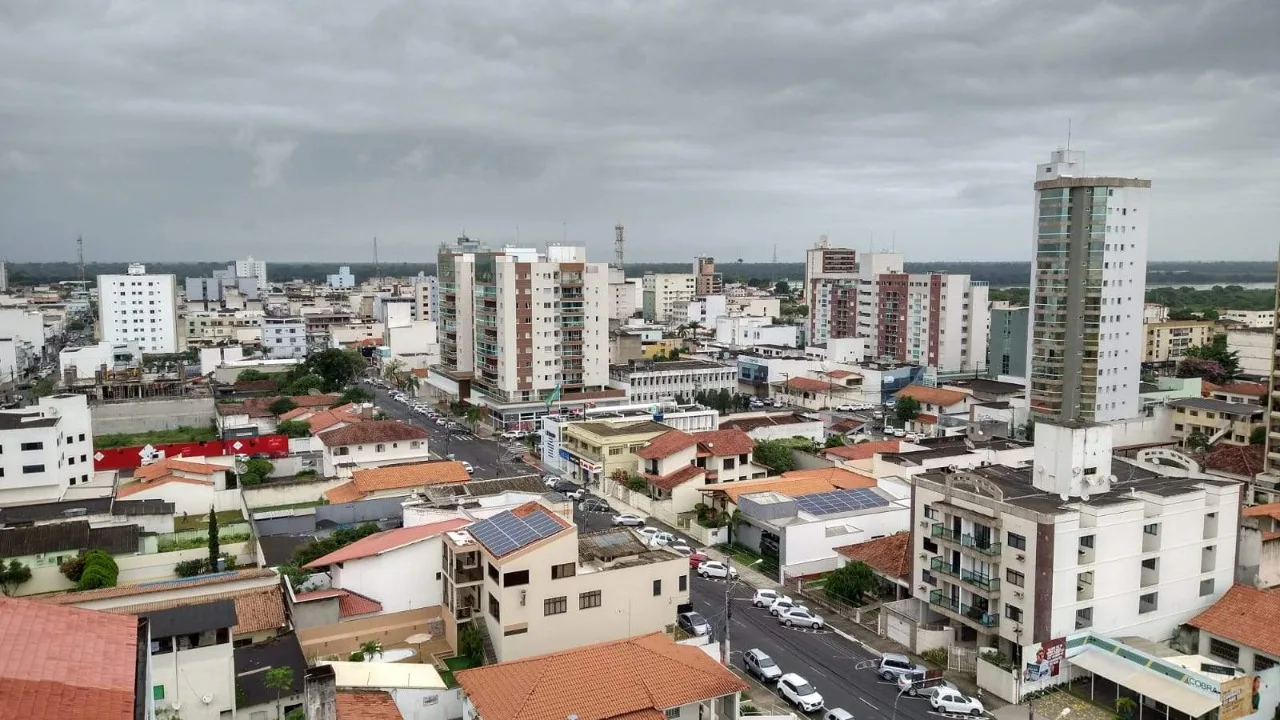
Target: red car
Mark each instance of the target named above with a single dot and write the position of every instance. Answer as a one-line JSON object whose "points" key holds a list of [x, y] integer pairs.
{"points": [[697, 559]]}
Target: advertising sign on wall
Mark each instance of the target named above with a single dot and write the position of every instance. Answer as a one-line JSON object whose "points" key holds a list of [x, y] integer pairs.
{"points": [[1238, 697], [1047, 662]]}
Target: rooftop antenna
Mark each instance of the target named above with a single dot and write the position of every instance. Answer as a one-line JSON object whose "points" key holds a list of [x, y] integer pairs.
{"points": [[80, 256], [619, 237], [775, 253], [893, 241], [1068, 134], [376, 272]]}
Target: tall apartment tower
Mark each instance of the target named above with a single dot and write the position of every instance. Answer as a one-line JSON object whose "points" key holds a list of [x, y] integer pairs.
{"points": [[707, 280], [250, 268], [827, 271], [1088, 282], [523, 323], [140, 308], [1272, 462]]}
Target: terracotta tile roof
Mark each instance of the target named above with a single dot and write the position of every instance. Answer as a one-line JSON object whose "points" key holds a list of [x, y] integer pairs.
{"points": [[795, 483], [125, 491], [810, 385], [318, 595], [1243, 460], [421, 372], [749, 424], [373, 431], [666, 445], [65, 663], [553, 687], [398, 477], [723, 443], [1247, 389], [367, 705], [926, 419], [257, 609], [1268, 510], [841, 374], [675, 479], [863, 451], [71, 598], [322, 421], [1269, 536], [386, 541], [1244, 615], [936, 396], [846, 426], [351, 604], [889, 555], [168, 465]]}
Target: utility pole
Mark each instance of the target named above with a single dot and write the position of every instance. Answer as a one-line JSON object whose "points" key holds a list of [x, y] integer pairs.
{"points": [[728, 610], [80, 257]]}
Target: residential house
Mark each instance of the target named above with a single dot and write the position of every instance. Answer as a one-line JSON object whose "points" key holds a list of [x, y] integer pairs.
{"points": [[317, 608], [372, 444], [413, 691], [536, 586], [942, 411], [889, 557], [397, 480], [1240, 629], [400, 568], [192, 660], [676, 464], [253, 416], [257, 701], [42, 548], [63, 663], [190, 484], [1212, 421], [776, 426], [154, 516], [822, 391], [45, 449], [594, 450], [678, 682], [1237, 392]]}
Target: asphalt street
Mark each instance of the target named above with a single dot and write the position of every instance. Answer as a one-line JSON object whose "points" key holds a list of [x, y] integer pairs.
{"points": [[490, 458], [826, 659]]}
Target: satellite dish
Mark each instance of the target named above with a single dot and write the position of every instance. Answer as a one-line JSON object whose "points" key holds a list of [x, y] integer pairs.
{"points": [[241, 467], [206, 699], [1077, 470], [177, 705], [1065, 497], [969, 444], [1039, 469], [1084, 495]]}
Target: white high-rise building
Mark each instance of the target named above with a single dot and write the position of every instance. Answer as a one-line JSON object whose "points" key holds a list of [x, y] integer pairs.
{"points": [[252, 268], [139, 308], [44, 449], [667, 296], [1088, 282]]}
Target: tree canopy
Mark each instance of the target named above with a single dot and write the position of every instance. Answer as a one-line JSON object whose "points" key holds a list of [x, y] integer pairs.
{"points": [[906, 409], [851, 582], [1214, 362]]}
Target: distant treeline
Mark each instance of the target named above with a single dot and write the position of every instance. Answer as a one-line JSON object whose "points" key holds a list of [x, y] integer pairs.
{"points": [[999, 274], [1183, 302]]}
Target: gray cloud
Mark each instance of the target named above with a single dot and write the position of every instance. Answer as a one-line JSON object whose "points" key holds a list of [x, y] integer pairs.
{"points": [[212, 129]]}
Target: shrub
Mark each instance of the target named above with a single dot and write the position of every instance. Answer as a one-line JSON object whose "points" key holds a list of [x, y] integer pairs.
{"points": [[190, 568], [1126, 708], [637, 484], [356, 656], [73, 568], [937, 656], [100, 570]]}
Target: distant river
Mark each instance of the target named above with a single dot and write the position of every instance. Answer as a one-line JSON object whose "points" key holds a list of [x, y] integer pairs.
{"points": [[1210, 286]]}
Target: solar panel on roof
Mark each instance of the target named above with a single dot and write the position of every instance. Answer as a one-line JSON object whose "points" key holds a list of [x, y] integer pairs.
{"points": [[505, 533], [838, 501]]}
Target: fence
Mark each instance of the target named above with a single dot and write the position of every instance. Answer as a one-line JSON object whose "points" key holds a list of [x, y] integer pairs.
{"points": [[962, 659]]}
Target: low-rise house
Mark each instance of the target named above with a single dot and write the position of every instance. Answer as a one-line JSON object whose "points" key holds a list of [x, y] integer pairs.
{"points": [[320, 419], [154, 516], [1237, 392], [776, 426], [823, 390], [316, 608], [372, 444], [1240, 629], [64, 663], [412, 690], [398, 568], [1215, 421], [42, 548], [254, 416], [942, 411], [676, 465], [538, 586], [397, 480], [192, 660], [889, 557], [646, 677], [254, 699], [190, 484], [594, 450], [260, 612]]}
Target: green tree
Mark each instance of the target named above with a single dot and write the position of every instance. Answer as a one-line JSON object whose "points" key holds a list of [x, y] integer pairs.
{"points": [[370, 649], [724, 401], [293, 428], [1258, 436], [473, 415], [1196, 441], [251, 375], [1216, 351], [303, 385], [834, 441], [43, 387], [100, 571], [279, 679], [354, 395], [851, 582], [281, 406], [471, 645], [13, 575], [906, 410], [295, 575], [338, 368], [1029, 431], [782, 287], [743, 402], [214, 544], [774, 454]]}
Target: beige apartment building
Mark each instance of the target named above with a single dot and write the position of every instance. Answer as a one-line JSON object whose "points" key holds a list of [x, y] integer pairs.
{"points": [[596, 450], [206, 328], [1218, 421], [534, 586], [1167, 341]]}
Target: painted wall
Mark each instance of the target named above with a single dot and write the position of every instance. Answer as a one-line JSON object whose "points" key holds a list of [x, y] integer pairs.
{"points": [[401, 579], [142, 416]]}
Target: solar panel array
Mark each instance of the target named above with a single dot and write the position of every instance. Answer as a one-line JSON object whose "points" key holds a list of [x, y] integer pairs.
{"points": [[505, 533], [838, 501]]}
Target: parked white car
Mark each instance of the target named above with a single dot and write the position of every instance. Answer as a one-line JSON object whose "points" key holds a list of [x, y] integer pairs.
{"points": [[681, 550], [953, 701], [716, 569], [801, 616], [660, 539], [765, 598], [468, 467], [628, 519], [781, 605], [799, 692]]}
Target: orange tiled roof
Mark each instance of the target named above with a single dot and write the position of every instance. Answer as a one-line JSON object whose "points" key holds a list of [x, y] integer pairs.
{"points": [[1266, 510], [889, 555], [553, 687], [666, 445], [166, 466], [1245, 460], [723, 443], [1247, 389], [66, 663], [863, 451], [386, 541], [841, 374], [137, 487], [675, 479], [72, 598], [926, 419], [367, 705], [373, 431], [398, 477], [796, 483], [810, 385], [322, 421], [351, 604], [1245, 615], [257, 609], [936, 396]]}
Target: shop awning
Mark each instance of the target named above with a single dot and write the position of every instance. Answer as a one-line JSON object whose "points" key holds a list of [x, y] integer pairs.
{"points": [[1145, 682]]}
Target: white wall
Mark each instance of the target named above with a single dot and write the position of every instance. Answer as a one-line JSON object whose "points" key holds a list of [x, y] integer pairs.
{"points": [[25, 325], [364, 456], [190, 675], [808, 547], [402, 579], [282, 493]]}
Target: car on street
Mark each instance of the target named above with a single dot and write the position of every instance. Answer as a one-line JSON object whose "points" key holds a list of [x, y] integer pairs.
{"points": [[781, 605], [761, 665], [647, 533], [512, 435], [660, 538], [441, 421], [797, 691], [694, 624], [595, 505], [681, 550], [802, 617], [550, 480], [837, 714], [923, 684], [716, 569], [575, 493], [468, 467], [894, 665], [697, 559], [628, 519], [949, 700], [846, 408], [765, 598]]}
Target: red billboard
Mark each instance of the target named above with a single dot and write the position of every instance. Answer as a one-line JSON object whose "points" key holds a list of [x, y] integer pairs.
{"points": [[275, 446]]}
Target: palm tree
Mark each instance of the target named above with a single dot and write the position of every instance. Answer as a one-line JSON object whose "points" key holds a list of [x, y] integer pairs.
{"points": [[690, 329], [410, 383], [279, 679], [370, 649], [473, 415]]}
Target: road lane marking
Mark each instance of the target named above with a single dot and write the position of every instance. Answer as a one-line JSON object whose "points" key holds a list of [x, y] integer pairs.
{"points": [[873, 707], [817, 672]]}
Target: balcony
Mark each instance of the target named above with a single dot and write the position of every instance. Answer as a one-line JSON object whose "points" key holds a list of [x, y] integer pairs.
{"points": [[942, 600], [465, 576], [1084, 586], [984, 583], [980, 615], [979, 618], [939, 565], [966, 542]]}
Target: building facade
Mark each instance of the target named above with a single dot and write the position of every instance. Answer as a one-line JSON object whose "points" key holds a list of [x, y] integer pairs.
{"points": [[1007, 347], [649, 381], [139, 308], [45, 449], [250, 268], [666, 295], [1168, 341], [706, 280], [284, 337], [1088, 283]]}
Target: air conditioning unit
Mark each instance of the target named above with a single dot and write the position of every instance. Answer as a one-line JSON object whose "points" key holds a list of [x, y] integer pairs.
{"points": [[1017, 593], [1021, 557], [924, 523], [523, 594]]}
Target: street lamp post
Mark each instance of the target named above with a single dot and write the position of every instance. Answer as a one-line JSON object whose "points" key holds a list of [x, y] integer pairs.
{"points": [[729, 584]]}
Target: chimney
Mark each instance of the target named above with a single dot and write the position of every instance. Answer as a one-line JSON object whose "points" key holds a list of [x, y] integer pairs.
{"points": [[322, 693]]}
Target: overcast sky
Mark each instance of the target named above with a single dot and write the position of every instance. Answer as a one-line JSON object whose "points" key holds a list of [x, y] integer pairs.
{"points": [[299, 130]]}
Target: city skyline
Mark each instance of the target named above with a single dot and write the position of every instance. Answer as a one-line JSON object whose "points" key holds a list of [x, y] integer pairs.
{"points": [[720, 130]]}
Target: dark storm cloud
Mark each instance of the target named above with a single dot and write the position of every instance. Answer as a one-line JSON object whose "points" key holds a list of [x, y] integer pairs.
{"points": [[300, 130]]}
